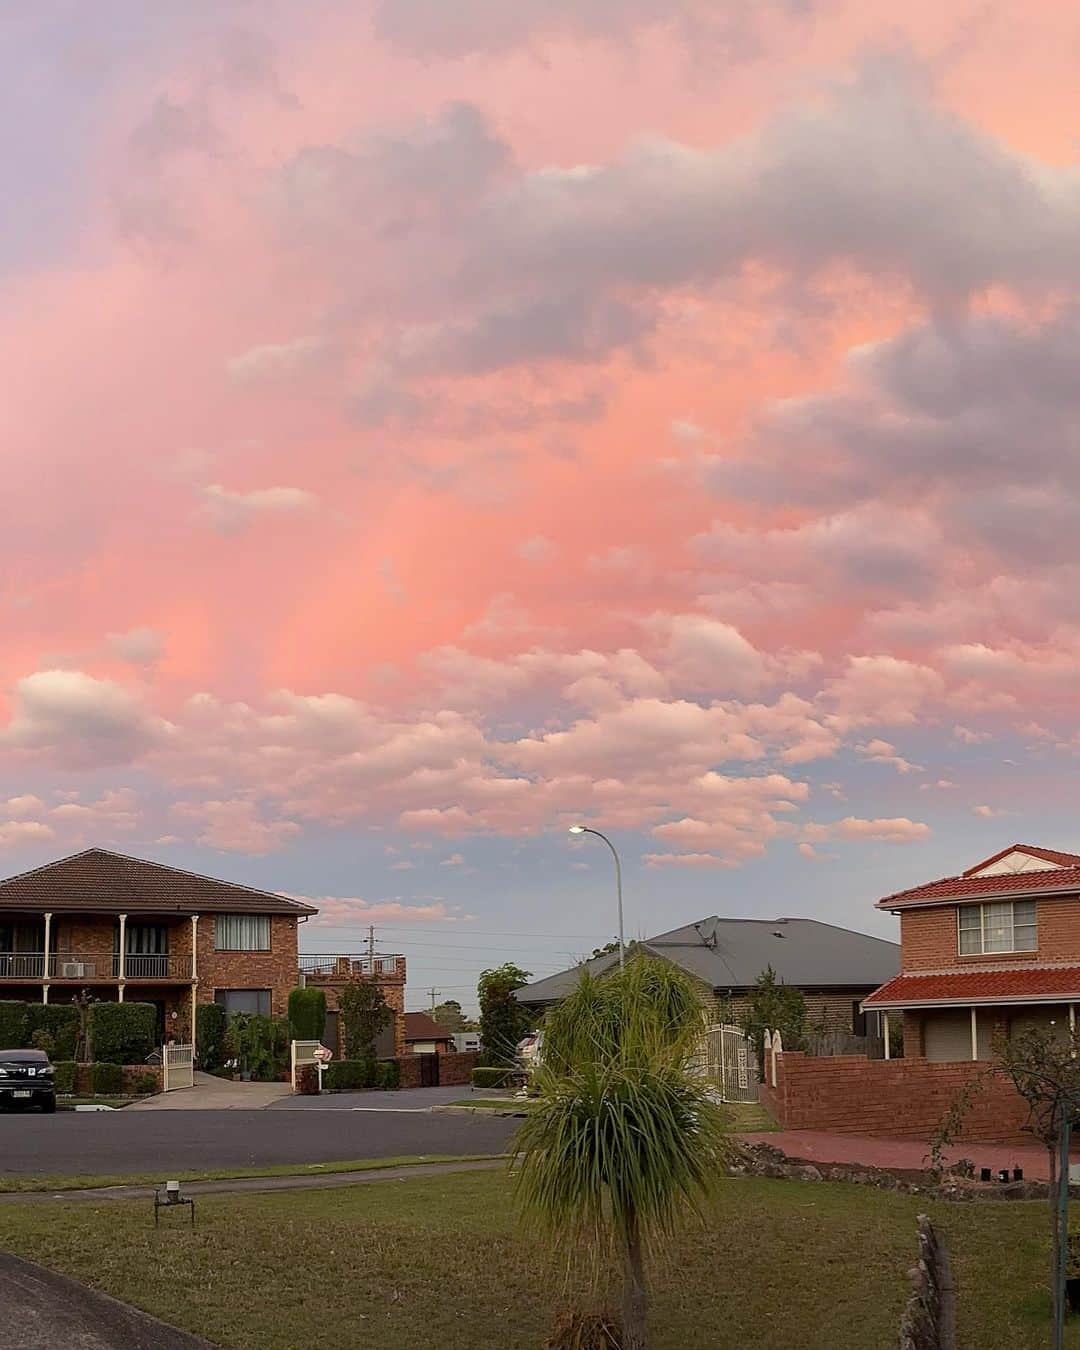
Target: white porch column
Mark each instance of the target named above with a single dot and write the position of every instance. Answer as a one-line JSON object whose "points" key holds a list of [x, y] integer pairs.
{"points": [[45, 967], [194, 975], [123, 957], [887, 1048], [974, 1033]]}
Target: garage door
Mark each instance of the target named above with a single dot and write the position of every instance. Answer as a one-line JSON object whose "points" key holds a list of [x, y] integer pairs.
{"points": [[947, 1036]]}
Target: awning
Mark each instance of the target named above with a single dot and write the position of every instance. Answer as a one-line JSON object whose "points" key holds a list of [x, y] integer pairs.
{"points": [[970, 988]]}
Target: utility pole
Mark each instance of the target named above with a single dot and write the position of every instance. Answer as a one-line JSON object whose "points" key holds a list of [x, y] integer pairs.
{"points": [[433, 992], [371, 941]]}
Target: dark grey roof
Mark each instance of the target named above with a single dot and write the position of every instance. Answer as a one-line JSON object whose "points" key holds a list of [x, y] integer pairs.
{"points": [[732, 953]]}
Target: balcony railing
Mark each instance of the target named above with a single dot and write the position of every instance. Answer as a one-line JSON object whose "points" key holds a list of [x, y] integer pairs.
{"points": [[93, 966], [337, 967]]}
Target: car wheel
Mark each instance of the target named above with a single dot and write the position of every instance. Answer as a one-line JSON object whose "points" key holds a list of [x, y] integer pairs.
{"points": [[49, 1105]]}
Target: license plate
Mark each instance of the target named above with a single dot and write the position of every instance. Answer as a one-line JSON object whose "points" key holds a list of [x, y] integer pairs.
{"points": [[22, 1093]]}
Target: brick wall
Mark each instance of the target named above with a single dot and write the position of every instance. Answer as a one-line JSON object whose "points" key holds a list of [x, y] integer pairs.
{"points": [[393, 989], [928, 937], [849, 1094], [454, 1070], [275, 969]]}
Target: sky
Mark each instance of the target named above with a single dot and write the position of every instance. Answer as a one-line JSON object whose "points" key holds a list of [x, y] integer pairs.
{"points": [[426, 426]]}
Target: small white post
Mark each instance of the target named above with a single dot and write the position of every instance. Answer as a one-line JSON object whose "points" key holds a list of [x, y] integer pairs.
{"points": [[123, 956], [45, 968], [974, 1033], [194, 985], [777, 1048], [887, 1048]]}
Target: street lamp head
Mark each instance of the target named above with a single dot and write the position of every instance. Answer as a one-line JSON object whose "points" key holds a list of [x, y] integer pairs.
{"points": [[577, 829]]}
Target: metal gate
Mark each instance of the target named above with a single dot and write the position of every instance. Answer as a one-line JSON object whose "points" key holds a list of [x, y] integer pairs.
{"points": [[730, 1063], [177, 1067]]}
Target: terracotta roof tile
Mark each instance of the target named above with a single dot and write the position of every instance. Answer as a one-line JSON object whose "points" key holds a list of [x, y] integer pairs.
{"points": [[420, 1027], [983, 985], [103, 882], [977, 888]]}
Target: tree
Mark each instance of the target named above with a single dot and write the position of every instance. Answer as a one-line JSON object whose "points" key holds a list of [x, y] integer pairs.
{"points": [[775, 1006], [606, 949], [625, 1136], [307, 1013], [503, 1021], [450, 1016], [364, 1012]]}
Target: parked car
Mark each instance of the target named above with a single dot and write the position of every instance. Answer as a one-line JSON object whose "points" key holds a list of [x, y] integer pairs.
{"points": [[27, 1079]]}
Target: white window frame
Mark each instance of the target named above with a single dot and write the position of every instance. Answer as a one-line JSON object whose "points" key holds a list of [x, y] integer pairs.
{"points": [[219, 946], [982, 909]]}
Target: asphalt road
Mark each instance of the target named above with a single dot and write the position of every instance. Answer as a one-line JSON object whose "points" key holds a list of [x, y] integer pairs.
{"points": [[118, 1143]]}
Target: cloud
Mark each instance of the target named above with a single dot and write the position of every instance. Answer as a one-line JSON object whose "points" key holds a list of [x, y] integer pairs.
{"points": [[235, 826], [80, 720], [882, 689], [896, 830], [230, 512], [16, 833], [342, 910], [989, 812], [26, 805], [538, 549], [281, 360], [454, 860], [139, 646], [878, 751], [683, 860]]}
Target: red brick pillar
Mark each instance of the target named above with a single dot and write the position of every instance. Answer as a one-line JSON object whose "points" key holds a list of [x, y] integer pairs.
{"points": [[913, 1036]]}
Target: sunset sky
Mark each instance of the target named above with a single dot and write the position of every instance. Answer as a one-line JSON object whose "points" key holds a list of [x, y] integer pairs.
{"points": [[425, 424]]}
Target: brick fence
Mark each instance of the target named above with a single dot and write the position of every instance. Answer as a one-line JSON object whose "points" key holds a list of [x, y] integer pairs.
{"points": [[454, 1070], [905, 1098]]}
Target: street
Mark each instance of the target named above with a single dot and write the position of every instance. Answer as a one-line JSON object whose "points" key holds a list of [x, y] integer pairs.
{"points": [[120, 1143]]}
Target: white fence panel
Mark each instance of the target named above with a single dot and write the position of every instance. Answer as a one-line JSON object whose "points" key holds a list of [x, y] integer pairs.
{"points": [[177, 1067], [303, 1052], [730, 1063]]}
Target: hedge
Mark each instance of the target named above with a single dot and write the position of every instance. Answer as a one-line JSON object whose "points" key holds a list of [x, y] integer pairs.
{"points": [[353, 1074], [122, 1033], [13, 1024], [210, 1036], [145, 1083], [389, 1075], [490, 1078], [307, 1014], [59, 1020], [65, 1076], [107, 1080]]}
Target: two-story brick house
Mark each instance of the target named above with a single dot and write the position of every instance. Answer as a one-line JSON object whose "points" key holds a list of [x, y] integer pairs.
{"points": [[126, 928], [986, 953]]}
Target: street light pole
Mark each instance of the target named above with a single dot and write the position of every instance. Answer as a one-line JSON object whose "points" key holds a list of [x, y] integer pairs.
{"points": [[585, 829]]}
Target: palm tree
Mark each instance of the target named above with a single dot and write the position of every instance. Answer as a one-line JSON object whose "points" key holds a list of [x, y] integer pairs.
{"points": [[626, 1137]]}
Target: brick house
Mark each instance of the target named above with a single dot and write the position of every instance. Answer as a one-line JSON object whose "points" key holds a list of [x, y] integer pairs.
{"points": [[988, 952], [835, 968], [126, 928]]}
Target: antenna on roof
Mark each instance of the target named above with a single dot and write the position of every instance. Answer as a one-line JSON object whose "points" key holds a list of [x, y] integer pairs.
{"points": [[709, 941]]}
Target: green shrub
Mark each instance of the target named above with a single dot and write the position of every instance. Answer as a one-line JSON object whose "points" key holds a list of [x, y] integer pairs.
{"points": [[210, 1035], [65, 1076], [490, 1078], [389, 1075], [145, 1083], [307, 1014], [60, 1021], [122, 1033], [107, 1080], [13, 1033], [350, 1074]]}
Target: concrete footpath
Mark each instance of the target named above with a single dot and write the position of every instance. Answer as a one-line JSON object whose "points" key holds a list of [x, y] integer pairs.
{"points": [[318, 1181], [43, 1310], [906, 1154]]}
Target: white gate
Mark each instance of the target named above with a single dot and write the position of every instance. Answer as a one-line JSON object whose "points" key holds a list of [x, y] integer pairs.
{"points": [[177, 1067], [731, 1064], [303, 1052]]}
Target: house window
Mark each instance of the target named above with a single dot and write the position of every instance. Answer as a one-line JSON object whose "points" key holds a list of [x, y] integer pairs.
{"points": [[1008, 926], [243, 1001], [242, 932]]}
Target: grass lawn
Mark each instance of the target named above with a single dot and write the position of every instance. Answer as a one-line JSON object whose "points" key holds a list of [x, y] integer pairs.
{"points": [[440, 1262], [749, 1118], [508, 1105]]}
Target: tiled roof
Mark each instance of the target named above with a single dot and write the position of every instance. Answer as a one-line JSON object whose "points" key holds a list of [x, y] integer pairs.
{"points": [[97, 881], [1051, 855], [420, 1027], [978, 888], [987, 986]]}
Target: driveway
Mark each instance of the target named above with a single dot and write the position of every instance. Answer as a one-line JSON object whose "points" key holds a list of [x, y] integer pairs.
{"points": [[211, 1093], [43, 1311], [118, 1143]]}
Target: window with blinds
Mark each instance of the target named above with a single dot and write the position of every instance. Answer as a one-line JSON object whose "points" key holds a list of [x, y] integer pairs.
{"points": [[1006, 926], [242, 932]]}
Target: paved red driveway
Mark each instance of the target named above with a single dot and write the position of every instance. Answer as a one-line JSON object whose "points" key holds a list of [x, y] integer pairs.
{"points": [[904, 1153]]}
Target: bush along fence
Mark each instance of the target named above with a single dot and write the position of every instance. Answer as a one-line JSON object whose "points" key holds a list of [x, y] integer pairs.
{"points": [[351, 1075]]}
